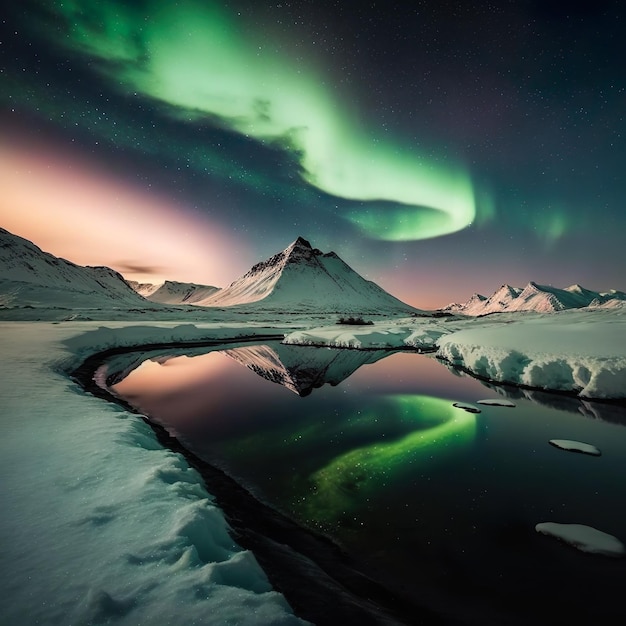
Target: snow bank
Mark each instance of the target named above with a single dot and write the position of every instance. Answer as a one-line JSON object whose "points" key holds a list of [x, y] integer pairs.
{"points": [[577, 351], [100, 524], [399, 334], [91, 338], [573, 351]]}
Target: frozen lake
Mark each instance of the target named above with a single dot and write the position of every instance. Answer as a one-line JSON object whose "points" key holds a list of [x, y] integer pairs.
{"points": [[438, 503]]}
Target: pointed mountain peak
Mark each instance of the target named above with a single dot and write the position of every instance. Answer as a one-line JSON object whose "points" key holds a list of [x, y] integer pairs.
{"points": [[304, 278], [300, 242], [533, 287], [477, 297], [506, 289], [300, 247]]}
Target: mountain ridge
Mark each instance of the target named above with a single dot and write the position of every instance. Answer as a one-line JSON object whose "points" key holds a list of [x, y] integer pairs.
{"points": [[173, 291], [32, 277], [299, 279], [536, 297]]}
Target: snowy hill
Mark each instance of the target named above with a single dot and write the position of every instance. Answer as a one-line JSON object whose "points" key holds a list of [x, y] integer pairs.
{"points": [[301, 278], [538, 298], [31, 277], [173, 292], [143, 289]]}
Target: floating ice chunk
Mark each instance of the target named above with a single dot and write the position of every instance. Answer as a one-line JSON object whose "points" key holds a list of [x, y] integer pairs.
{"points": [[575, 446], [496, 402], [584, 538], [466, 406]]}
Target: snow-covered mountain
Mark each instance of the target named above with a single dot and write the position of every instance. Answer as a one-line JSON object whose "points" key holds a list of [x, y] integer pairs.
{"points": [[539, 298], [173, 292], [301, 278], [31, 277]]}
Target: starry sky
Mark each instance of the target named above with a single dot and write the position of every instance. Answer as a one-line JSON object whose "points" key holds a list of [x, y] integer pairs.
{"points": [[440, 148]]}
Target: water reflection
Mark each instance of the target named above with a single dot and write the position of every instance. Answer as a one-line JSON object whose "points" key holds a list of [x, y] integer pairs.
{"points": [[428, 496], [299, 371], [357, 476], [593, 410]]}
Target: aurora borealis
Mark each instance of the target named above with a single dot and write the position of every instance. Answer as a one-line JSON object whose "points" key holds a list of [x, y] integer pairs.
{"points": [[439, 148]]}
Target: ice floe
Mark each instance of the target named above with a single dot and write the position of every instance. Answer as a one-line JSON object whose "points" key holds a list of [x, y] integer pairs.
{"points": [[584, 538], [575, 446]]}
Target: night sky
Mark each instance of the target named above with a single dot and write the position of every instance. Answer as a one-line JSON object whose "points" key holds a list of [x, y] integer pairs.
{"points": [[440, 148]]}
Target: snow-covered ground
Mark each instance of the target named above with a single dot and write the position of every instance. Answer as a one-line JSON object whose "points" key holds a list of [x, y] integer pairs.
{"points": [[581, 351], [99, 523], [420, 333]]}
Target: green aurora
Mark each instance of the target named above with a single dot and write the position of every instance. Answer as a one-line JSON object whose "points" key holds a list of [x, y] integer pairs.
{"points": [[199, 64], [348, 481]]}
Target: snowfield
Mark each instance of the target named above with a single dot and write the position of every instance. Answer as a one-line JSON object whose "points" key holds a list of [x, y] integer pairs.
{"points": [[575, 351], [100, 523]]}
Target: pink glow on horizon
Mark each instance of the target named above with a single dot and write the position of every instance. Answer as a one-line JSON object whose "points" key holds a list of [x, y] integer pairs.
{"points": [[72, 209]]}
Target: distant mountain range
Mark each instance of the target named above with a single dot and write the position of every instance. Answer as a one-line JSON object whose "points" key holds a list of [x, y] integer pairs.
{"points": [[173, 292], [539, 298], [298, 279]]}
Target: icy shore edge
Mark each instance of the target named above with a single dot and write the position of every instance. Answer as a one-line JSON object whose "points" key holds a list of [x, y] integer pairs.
{"points": [[102, 524], [577, 352]]}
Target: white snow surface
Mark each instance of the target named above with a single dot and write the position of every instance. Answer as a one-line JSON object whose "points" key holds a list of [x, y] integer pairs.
{"points": [[99, 523], [579, 351], [420, 333], [584, 538]]}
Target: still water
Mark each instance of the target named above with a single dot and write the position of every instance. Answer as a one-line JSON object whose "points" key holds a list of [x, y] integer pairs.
{"points": [[368, 448]]}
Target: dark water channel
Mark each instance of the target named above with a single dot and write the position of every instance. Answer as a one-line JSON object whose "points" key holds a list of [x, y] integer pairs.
{"points": [[435, 501]]}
